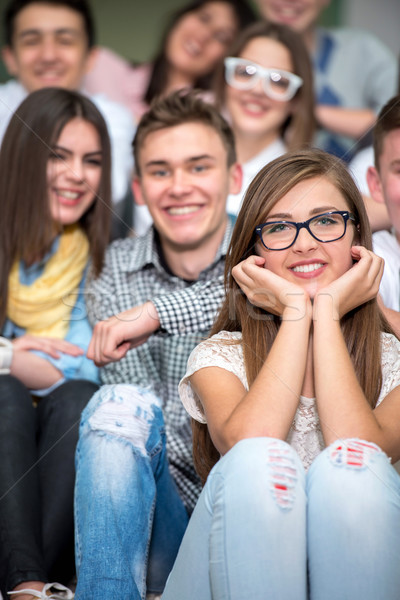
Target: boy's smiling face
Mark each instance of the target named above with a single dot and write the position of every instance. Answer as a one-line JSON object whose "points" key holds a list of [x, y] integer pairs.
{"points": [[384, 181]]}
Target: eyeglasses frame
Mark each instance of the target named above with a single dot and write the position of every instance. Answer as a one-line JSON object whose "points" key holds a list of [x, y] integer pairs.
{"points": [[295, 82], [346, 215]]}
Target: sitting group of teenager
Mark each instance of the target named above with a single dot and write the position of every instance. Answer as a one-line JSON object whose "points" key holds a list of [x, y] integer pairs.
{"points": [[210, 409]]}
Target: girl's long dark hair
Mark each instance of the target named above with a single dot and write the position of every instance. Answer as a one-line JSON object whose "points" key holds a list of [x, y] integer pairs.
{"points": [[159, 73], [26, 225], [361, 327]]}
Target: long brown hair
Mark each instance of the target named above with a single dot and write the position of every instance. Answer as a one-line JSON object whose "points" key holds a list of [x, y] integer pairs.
{"points": [[298, 129], [361, 327], [26, 225]]}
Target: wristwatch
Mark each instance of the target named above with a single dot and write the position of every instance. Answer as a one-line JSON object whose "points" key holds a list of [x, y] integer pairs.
{"points": [[6, 353]]}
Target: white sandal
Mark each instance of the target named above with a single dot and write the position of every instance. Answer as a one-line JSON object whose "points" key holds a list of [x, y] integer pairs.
{"points": [[58, 592]]}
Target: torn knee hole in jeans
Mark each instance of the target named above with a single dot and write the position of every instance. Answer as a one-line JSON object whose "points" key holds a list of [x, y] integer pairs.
{"points": [[355, 454], [283, 475], [128, 420]]}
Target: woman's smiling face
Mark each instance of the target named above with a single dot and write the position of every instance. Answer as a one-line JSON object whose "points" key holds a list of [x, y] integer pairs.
{"points": [[309, 263], [201, 38], [251, 111], [74, 171]]}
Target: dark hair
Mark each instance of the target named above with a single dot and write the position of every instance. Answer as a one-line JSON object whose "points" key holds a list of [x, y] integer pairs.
{"points": [[80, 6], [26, 225], [158, 78], [183, 107], [388, 120], [361, 327], [298, 129]]}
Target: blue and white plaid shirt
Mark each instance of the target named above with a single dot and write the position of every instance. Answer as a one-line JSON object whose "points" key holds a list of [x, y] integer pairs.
{"points": [[134, 272]]}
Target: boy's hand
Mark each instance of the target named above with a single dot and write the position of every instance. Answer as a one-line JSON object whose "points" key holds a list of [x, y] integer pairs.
{"points": [[112, 339]]}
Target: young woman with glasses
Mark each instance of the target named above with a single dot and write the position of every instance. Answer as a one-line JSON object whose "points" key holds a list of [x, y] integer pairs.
{"points": [[265, 88], [295, 400]]}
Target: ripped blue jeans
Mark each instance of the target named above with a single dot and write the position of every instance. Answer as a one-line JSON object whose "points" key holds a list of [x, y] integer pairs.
{"points": [[264, 529], [129, 517]]}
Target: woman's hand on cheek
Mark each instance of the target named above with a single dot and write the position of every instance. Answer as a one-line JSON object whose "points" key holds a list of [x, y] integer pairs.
{"points": [[355, 287], [270, 292]]}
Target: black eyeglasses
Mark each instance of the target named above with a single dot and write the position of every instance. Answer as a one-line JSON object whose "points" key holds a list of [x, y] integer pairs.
{"points": [[327, 227]]}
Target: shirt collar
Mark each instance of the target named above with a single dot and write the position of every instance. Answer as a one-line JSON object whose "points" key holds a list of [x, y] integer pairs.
{"points": [[147, 249]]}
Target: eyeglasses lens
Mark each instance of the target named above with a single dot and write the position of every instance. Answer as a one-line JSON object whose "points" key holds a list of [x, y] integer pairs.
{"points": [[247, 76], [325, 228]]}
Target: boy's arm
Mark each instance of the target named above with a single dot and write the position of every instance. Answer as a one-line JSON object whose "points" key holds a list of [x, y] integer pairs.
{"points": [[192, 309], [177, 313]]}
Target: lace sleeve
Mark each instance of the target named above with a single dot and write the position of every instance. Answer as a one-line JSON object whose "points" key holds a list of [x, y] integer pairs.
{"points": [[221, 350], [390, 364]]}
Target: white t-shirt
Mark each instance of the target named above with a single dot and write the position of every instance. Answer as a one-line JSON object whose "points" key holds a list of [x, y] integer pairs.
{"points": [[385, 244], [305, 435], [250, 170], [358, 168]]}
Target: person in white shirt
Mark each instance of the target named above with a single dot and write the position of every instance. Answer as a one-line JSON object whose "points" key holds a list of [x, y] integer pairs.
{"points": [[265, 90], [295, 401], [51, 44], [384, 185]]}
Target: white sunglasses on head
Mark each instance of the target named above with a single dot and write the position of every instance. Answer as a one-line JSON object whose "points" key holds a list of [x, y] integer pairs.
{"points": [[243, 74]]}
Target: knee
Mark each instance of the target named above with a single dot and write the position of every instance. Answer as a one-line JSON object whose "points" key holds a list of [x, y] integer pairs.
{"points": [[348, 478], [259, 463], [124, 412]]}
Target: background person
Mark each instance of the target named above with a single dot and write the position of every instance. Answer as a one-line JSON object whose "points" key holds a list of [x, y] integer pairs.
{"points": [[196, 37], [265, 88], [384, 184], [354, 74], [55, 217]]}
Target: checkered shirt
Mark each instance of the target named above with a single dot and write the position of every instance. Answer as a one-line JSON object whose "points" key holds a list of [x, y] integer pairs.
{"points": [[133, 273]]}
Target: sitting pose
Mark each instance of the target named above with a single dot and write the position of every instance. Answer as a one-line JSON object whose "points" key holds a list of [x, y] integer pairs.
{"points": [[55, 189], [136, 483], [296, 404]]}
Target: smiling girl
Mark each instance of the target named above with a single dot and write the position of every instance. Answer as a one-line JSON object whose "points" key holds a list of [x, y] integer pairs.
{"points": [[265, 88], [55, 191], [196, 37], [296, 401]]}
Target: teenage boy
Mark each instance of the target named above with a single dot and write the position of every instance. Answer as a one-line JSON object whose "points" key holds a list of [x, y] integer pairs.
{"points": [[384, 184], [51, 44], [354, 73], [136, 484]]}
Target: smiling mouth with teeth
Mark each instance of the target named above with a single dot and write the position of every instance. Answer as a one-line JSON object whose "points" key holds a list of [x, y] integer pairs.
{"points": [[68, 195], [182, 210], [307, 268]]}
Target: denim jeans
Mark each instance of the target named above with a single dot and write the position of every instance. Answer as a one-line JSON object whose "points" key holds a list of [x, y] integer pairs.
{"points": [[262, 528], [37, 474], [129, 517]]}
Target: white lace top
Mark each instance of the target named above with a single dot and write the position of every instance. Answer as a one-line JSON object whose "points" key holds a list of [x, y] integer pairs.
{"points": [[305, 434]]}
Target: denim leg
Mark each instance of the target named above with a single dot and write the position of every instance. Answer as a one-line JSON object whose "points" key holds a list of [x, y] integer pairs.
{"points": [[58, 417], [353, 524], [21, 557], [246, 537], [122, 471]]}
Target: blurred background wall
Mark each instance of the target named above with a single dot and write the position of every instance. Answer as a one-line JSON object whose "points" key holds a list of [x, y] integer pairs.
{"points": [[133, 27]]}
